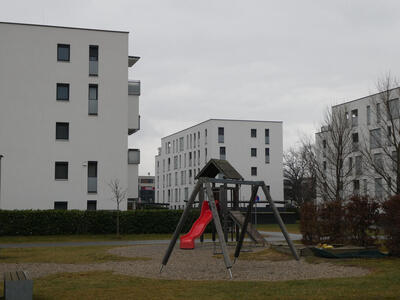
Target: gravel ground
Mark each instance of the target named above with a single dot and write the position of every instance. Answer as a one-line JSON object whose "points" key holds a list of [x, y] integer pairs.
{"points": [[198, 264]]}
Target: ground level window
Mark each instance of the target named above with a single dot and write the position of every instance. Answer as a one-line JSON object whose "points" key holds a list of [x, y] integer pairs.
{"points": [[61, 205], [91, 205]]}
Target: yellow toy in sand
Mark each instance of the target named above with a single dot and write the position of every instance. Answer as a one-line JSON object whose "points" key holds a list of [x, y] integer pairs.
{"points": [[325, 246]]}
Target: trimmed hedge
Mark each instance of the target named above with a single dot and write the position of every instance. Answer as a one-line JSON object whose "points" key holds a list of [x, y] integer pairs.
{"points": [[58, 222]]}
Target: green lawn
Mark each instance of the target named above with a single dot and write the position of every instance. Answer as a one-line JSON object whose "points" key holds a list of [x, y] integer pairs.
{"points": [[383, 283], [291, 228], [62, 255], [82, 238]]}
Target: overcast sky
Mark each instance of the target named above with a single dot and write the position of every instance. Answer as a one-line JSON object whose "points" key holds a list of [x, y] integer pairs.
{"points": [[261, 60]]}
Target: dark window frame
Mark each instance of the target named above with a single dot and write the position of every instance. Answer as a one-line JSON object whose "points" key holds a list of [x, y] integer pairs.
{"points": [[90, 204], [58, 133], [58, 96], [253, 171], [64, 46], [60, 164], [253, 132], [253, 152], [59, 205]]}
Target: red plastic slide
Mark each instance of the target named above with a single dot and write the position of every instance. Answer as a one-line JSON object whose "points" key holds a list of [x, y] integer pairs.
{"points": [[187, 241]]}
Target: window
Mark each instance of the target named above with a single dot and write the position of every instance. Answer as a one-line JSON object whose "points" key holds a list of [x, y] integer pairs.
{"points": [[253, 133], [190, 159], [61, 170], [375, 138], [61, 205], [62, 91], [91, 205], [324, 165], [253, 152], [350, 165], [378, 188], [253, 171], [92, 177], [378, 161], [198, 157], [205, 136], [205, 155], [378, 112], [93, 60], [186, 195], [221, 135], [222, 153], [267, 136], [356, 186], [393, 112], [63, 52], [175, 162], [93, 99], [358, 165], [267, 157], [354, 117], [355, 141], [62, 131], [181, 144], [368, 115]]}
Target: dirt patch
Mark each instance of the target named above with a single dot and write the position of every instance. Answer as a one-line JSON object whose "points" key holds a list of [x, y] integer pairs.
{"points": [[198, 264]]}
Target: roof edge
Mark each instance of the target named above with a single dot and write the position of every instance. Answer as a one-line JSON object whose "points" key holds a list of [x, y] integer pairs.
{"points": [[64, 27]]}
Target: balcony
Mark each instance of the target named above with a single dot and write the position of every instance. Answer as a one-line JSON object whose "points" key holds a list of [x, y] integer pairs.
{"points": [[134, 156], [133, 106]]}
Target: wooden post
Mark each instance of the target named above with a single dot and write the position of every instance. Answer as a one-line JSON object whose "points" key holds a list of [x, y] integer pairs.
{"points": [[201, 200], [243, 231], [218, 226], [181, 222], [280, 222]]}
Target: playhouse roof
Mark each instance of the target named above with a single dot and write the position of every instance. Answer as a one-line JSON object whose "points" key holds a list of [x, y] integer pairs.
{"points": [[217, 166]]}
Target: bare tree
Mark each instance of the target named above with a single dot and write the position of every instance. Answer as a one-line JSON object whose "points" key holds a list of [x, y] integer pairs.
{"points": [[382, 153], [332, 148], [299, 175], [118, 196]]}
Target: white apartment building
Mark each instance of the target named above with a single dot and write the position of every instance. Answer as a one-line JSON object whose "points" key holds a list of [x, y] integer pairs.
{"points": [[254, 149], [371, 132], [66, 110]]}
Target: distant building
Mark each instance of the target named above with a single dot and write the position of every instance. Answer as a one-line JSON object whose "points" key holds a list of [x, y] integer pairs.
{"points": [[66, 110], [146, 189], [374, 128], [254, 148]]}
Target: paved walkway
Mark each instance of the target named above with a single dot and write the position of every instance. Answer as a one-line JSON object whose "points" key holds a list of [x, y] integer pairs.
{"points": [[270, 237]]}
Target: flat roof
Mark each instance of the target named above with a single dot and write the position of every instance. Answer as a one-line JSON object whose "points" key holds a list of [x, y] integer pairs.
{"points": [[364, 97], [63, 27], [235, 120]]}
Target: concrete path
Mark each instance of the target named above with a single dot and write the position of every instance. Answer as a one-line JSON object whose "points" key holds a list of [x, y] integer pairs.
{"points": [[270, 237]]}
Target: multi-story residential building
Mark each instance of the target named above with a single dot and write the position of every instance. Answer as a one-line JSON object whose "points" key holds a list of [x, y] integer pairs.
{"points": [[368, 156], [66, 110], [254, 148]]}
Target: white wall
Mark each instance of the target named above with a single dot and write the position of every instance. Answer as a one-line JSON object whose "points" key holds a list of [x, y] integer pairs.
{"points": [[29, 111], [238, 144]]}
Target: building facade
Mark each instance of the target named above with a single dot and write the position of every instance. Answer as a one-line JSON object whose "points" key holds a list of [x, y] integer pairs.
{"points": [[146, 189], [254, 149], [370, 157], [66, 109]]}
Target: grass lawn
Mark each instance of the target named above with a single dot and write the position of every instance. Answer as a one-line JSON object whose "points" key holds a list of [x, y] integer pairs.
{"points": [[82, 238], [383, 283], [62, 255], [291, 228]]}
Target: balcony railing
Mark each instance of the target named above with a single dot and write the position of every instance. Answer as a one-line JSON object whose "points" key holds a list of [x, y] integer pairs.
{"points": [[92, 184], [133, 156], [93, 68]]}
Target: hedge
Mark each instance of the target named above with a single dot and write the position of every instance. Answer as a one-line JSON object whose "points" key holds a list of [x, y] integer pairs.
{"points": [[58, 222]]}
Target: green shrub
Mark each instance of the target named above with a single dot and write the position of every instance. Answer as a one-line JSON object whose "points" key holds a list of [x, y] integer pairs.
{"points": [[391, 224], [58, 222]]}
